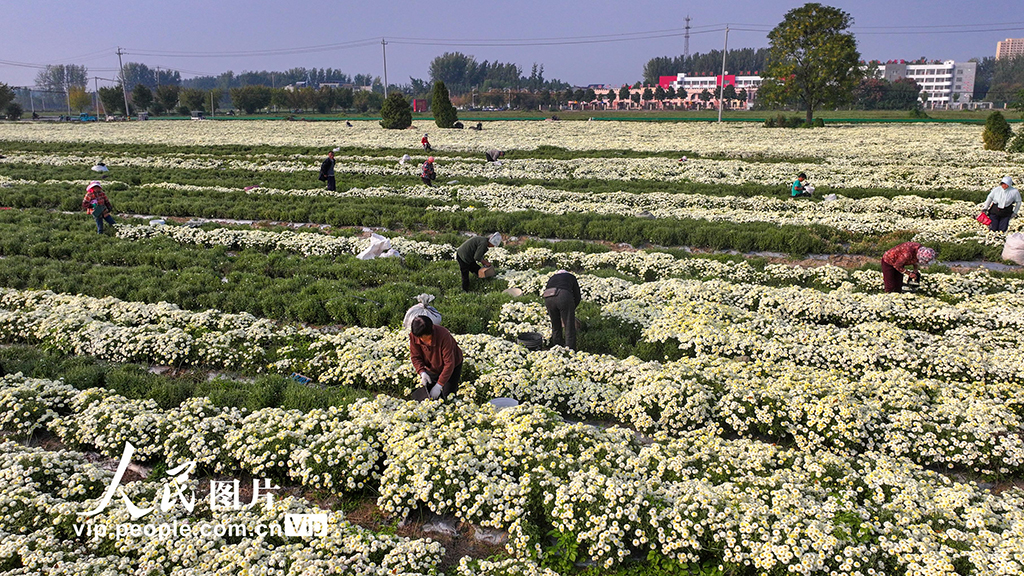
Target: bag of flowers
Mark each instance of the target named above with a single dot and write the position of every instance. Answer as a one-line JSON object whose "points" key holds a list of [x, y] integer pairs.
{"points": [[423, 308], [1013, 250]]}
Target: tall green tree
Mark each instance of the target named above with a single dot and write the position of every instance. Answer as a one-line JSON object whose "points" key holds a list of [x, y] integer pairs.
{"points": [[167, 94], [395, 113], [813, 59], [1007, 79], [193, 98], [983, 76], [249, 99], [136, 73], [142, 97], [6, 95], [445, 115], [112, 99], [60, 77]]}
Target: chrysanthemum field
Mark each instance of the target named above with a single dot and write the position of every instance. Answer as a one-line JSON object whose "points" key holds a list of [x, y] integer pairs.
{"points": [[745, 399]]}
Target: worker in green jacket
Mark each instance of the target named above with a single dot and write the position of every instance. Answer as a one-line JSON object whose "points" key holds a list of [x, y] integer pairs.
{"points": [[471, 252]]}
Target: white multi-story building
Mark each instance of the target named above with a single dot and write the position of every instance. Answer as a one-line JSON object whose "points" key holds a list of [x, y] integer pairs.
{"points": [[694, 85], [1009, 48], [946, 84]]}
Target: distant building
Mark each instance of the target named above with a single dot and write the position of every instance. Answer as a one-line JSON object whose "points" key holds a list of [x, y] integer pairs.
{"points": [[1009, 48], [946, 83], [694, 85]]}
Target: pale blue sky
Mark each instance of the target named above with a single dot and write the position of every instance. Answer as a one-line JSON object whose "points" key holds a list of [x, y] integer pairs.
{"points": [[51, 32]]}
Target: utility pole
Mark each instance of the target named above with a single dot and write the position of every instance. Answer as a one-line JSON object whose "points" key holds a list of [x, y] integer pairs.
{"points": [[157, 76], [721, 86], [96, 96], [686, 40], [67, 90], [124, 88], [384, 47]]}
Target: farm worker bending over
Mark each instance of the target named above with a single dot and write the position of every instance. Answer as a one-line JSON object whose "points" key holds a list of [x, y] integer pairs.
{"points": [[493, 154], [896, 261], [427, 173], [97, 204], [425, 143], [799, 189], [473, 251], [561, 297], [1003, 203], [437, 358], [327, 171]]}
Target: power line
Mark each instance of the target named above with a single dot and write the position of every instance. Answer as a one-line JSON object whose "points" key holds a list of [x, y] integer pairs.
{"points": [[274, 52]]}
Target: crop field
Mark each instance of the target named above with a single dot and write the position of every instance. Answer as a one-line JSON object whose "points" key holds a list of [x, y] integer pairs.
{"points": [[744, 400]]}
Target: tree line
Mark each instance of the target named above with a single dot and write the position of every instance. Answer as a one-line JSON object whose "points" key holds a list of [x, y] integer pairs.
{"points": [[739, 61]]}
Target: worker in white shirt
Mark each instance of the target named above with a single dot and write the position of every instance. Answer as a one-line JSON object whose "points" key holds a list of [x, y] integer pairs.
{"points": [[1003, 203]]}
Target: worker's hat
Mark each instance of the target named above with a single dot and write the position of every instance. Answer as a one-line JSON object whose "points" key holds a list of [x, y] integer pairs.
{"points": [[495, 239], [94, 184]]}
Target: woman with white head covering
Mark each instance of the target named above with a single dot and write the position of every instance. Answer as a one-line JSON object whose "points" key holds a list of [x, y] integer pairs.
{"points": [[1003, 203], [471, 252]]}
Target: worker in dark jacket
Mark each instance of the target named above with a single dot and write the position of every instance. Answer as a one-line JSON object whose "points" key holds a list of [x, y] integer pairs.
{"points": [[493, 155], [437, 357], [327, 171], [561, 297], [471, 252]]}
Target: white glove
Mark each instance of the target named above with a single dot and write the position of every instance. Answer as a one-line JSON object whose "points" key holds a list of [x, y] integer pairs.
{"points": [[435, 392], [424, 379]]}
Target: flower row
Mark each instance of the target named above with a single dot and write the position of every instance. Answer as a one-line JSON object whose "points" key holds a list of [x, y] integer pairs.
{"points": [[643, 264], [743, 502], [786, 392], [42, 531]]}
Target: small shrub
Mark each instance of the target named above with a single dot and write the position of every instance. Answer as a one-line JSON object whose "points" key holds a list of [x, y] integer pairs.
{"points": [[918, 113], [13, 111], [395, 112], [781, 121], [997, 132]]}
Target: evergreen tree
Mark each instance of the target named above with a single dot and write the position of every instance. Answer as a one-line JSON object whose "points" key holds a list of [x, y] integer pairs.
{"points": [[997, 132], [445, 115], [395, 113]]}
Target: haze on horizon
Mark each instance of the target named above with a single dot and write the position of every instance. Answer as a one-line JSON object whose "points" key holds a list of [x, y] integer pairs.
{"points": [[600, 42]]}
